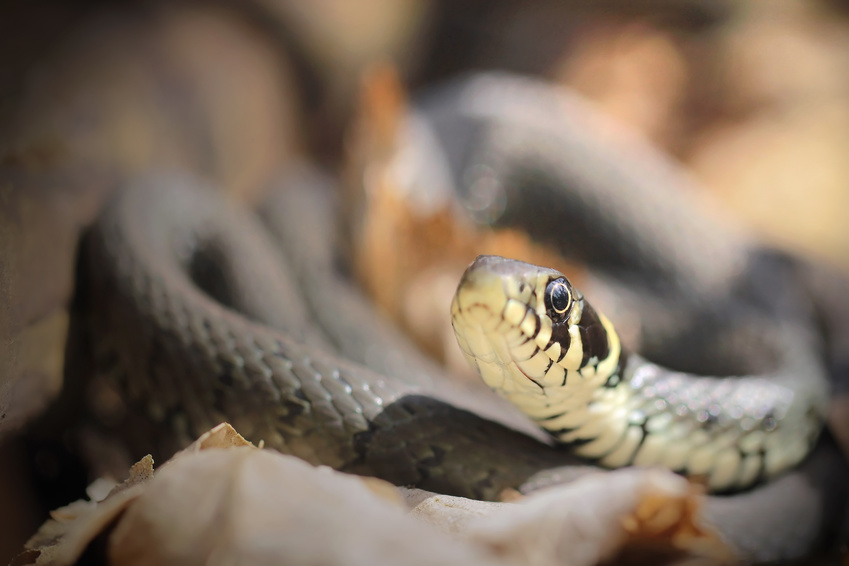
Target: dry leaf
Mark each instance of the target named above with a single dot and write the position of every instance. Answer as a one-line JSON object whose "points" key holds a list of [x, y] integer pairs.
{"points": [[248, 506], [63, 538], [223, 500], [584, 522]]}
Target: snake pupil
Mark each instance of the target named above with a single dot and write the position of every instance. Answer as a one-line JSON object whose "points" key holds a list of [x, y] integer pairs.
{"points": [[558, 299]]}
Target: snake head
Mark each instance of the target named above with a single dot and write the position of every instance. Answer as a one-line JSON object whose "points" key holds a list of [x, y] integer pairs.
{"points": [[521, 325]]}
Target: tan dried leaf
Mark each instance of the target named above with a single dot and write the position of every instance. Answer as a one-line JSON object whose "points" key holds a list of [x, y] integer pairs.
{"points": [[591, 520], [63, 538], [248, 506]]}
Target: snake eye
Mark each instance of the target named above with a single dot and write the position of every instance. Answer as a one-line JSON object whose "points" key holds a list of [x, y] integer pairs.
{"points": [[558, 299]]}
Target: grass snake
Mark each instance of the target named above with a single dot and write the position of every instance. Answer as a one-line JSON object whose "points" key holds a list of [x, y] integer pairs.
{"points": [[538, 341], [182, 279]]}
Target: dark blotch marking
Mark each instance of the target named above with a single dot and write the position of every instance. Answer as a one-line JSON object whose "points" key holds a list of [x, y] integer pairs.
{"points": [[534, 381], [292, 410], [643, 427], [362, 440], [613, 381], [593, 335], [560, 334]]}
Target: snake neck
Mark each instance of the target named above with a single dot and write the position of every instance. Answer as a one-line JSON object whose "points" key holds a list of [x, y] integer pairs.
{"points": [[535, 340], [564, 372]]}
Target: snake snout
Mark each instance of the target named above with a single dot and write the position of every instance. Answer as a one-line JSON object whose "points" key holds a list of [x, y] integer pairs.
{"points": [[480, 294], [495, 289]]}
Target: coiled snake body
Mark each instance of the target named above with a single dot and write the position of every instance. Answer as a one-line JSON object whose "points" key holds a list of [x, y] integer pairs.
{"points": [[198, 320]]}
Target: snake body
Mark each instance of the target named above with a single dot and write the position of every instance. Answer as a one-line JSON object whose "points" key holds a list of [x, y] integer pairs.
{"points": [[708, 299], [197, 321], [186, 356], [535, 339]]}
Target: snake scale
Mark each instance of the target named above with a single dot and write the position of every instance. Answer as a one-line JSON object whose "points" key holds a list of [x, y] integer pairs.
{"points": [[186, 328]]}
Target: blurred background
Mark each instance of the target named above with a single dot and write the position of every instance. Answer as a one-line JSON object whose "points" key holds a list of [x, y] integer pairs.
{"points": [[751, 97]]}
